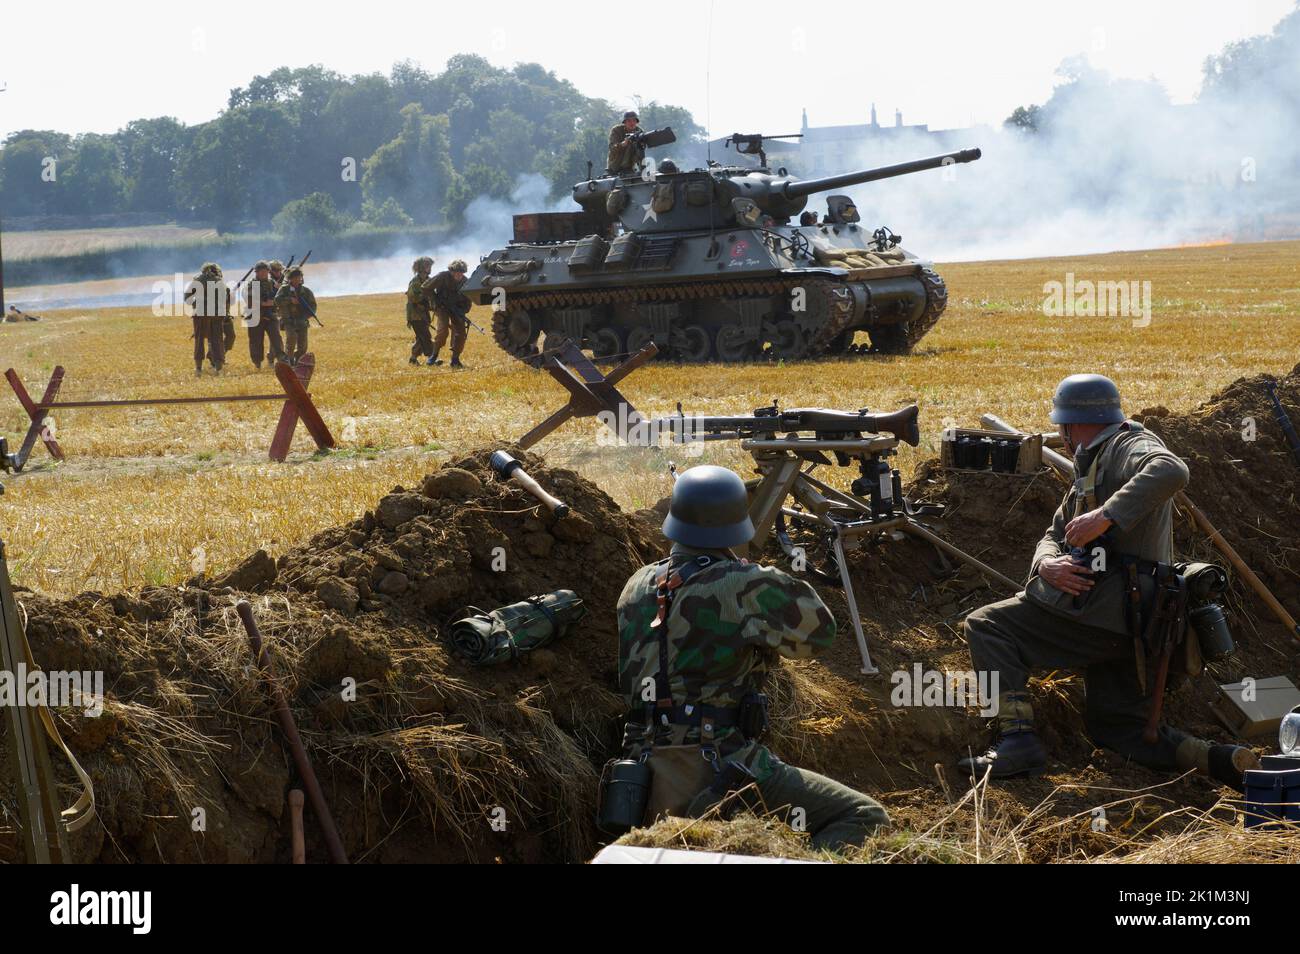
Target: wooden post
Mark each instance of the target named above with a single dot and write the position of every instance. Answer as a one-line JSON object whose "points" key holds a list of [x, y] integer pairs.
{"points": [[590, 392], [294, 380], [37, 414]]}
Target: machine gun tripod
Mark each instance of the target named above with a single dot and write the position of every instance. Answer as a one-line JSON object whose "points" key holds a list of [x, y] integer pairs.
{"points": [[785, 456], [787, 445]]}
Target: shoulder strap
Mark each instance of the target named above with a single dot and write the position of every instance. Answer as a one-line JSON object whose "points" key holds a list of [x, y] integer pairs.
{"points": [[667, 581]]}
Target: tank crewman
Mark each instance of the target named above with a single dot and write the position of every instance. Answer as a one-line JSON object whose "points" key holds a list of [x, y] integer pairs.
{"points": [[442, 292], [418, 318], [210, 298], [1070, 617], [294, 306], [698, 634], [625, 152], [261, 321]]}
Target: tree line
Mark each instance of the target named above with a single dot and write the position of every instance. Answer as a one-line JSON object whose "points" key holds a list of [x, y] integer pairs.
{"points": [[309, 149]]}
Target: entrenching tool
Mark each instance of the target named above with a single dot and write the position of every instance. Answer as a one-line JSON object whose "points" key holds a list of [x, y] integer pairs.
{"points": [[507, 468], [262, 656], [1062, 465]]}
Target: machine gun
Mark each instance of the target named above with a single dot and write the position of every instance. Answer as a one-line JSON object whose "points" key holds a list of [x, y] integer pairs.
{"points": [[787, 446], [649, 138], [751, 144]]}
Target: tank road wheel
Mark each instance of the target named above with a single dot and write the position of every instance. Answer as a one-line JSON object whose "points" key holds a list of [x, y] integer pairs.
{"points": [[692, 344], [734, 344], [516, 334], [605, 344], [638, 338], [787, 342]]}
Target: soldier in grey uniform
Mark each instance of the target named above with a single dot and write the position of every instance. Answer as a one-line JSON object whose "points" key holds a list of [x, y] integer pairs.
{"points": [[1118, 513]]}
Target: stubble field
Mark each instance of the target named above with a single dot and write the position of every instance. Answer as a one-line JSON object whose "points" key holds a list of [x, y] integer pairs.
{"points": [[151, 495]]}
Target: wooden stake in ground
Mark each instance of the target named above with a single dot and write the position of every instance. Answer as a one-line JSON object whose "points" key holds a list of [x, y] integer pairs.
{"points": [[1061, 464], [295, 824], [290, 728]]}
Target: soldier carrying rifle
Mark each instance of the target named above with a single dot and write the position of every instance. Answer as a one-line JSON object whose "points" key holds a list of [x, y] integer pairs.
{"points": [[208, 295], [259, 306], [444, 298], [295, 305]]}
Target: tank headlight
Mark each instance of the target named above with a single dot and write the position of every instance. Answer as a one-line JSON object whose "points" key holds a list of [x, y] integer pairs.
{"points": [[1288, 734]]}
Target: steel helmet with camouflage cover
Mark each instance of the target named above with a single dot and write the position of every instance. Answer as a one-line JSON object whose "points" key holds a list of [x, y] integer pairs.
{"points": [[422, 264], [276, 265], [458, 266], [210, 270]]}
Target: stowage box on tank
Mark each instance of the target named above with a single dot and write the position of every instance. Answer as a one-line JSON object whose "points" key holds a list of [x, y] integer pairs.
{"points": [[711, 264]]}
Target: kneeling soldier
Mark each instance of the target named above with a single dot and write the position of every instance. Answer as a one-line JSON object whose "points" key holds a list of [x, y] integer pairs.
{"points": [[698, 633], [295, 305], [1118, 518]]}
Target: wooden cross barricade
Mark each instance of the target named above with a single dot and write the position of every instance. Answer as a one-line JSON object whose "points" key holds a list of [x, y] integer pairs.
{"points": [[590, 392], [293, 380]]}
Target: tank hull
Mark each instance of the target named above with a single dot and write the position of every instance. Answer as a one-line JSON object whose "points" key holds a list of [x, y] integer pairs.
{"points": [[776, 292]]}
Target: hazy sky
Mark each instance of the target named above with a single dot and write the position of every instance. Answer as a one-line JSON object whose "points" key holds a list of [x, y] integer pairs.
{"points": [[91, 67]]}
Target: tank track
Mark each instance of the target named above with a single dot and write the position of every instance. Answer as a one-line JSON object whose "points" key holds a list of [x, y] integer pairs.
{"points": [[832, 312]]}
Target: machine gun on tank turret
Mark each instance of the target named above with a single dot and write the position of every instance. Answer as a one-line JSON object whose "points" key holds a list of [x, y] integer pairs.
{"points": [[751, 144]]}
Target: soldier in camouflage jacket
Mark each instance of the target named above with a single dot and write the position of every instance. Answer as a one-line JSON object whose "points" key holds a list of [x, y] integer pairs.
{"points": [[724, 626]]}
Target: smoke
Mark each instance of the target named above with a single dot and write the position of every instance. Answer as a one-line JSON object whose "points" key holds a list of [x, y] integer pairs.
{"points": [[1114, 165]]}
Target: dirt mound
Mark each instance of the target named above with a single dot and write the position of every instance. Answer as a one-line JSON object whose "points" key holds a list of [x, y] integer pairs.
{"points": [[424, 757]]}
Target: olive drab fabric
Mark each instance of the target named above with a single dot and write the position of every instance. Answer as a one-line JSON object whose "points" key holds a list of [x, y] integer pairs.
{"points": [[294, 318], [450, 306], [624, 153], [266, 326], [209, 298], [417, 307], [727, 626], [1134, 478], [487, 638]]}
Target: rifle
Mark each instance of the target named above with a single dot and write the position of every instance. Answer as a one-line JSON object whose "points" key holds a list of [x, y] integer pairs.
{"points": [[307, 308], [1284, 421], [464, 316]]}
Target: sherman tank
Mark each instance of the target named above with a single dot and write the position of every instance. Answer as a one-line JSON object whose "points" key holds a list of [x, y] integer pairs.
{"points": [[722, 263]]}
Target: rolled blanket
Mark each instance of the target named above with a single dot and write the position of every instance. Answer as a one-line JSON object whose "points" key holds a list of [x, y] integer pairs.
{"points": [[487, 638]]}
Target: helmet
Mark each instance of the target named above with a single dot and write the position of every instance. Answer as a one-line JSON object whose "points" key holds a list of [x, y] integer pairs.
{"points": [[710, 509], [276, 265], [294, 272], [261, 264], [422, 264], [1086, 399], [631, 114], [667, 167], [458, 266], [210, 269]]}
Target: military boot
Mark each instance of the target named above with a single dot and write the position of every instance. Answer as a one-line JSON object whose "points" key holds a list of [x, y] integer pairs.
{"points": [[1228, 763], [1016, 750], [413, 360], [455, 362], [433, 359]]}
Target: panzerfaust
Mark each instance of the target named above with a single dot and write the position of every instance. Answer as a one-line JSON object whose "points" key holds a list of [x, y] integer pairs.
{"points": [[717, 263], [787, 446]]}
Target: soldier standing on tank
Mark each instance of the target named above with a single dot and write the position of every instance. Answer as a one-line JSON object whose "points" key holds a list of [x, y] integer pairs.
{"points": [[1071, 617], [210, 298], [294, 306], [417, 311], [625, 149], [444, 298], [698, 634], [259, 305]]}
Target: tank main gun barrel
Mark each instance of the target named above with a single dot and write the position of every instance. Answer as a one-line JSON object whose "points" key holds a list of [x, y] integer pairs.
{"points": [[798, 188]]}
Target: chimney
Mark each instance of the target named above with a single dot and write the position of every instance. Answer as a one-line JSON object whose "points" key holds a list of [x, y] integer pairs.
{"points": [[898, 117], [874, 124], [805, 119]]}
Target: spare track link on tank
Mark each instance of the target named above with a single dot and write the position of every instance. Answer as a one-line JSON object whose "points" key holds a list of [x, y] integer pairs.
{"points": [[835, 307]]}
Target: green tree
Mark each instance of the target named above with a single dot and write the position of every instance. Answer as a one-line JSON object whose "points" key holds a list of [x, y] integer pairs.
{"points": [[414, 168], [24, 162], [1023, 118], [311, 217], [151, 152], [93, 183]]}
